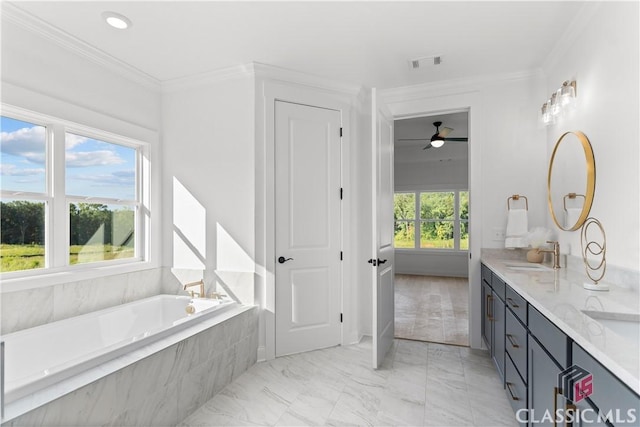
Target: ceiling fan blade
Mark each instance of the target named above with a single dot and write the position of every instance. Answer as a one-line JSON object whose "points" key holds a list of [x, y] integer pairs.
{"points": [[413, 139], [456, 139], [428, 146], [444, 132]]}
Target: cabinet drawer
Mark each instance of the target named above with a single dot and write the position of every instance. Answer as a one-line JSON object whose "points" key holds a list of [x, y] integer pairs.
{"points": [[517, 304], [514, 387], [515, 344], [609, 394], [498, 286], [486, 274], [547, 334]]}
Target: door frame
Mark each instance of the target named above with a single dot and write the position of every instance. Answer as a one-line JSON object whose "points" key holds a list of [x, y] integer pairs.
{"points": [[317, 95], [426, 103]]}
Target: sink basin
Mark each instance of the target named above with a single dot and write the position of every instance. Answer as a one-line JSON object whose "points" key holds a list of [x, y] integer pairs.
{"points": [[526, 267], [626, 325]]}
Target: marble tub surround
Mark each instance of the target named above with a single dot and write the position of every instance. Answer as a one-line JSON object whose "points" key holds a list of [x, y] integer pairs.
{"points": [[159, 384], [51, 303], [559, 296], [419, 384]]}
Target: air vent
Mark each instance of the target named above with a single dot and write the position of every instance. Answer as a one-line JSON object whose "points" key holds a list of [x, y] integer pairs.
{"points": [[417, 63]]}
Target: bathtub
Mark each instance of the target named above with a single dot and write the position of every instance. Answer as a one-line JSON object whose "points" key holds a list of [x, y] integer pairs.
{"points": [[39, 357]]}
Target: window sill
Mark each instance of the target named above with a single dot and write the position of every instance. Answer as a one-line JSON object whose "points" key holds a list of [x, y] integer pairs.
{"points": [[51, 278]]}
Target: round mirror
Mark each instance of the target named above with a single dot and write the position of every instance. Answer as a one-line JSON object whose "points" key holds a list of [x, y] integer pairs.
{"points": [[571, 181]]}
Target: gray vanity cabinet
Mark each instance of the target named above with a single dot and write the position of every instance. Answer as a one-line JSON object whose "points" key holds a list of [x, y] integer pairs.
{"points": [[615, 401], [543, 396], [498, 331], [493, 317], [547, 357], [530, 352]]}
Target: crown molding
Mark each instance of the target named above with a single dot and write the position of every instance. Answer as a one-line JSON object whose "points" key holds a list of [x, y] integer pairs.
{"points": [[461, 85], [207, 77], [257, 70], [272, 72], [14, 14]]}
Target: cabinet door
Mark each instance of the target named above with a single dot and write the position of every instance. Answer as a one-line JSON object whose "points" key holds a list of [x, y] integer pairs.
{"points": [[498, 335], [608, 394], [487, 319], [544, 399]]}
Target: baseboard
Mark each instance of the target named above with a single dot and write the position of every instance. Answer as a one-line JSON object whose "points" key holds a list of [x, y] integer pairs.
{"points": [[262, 353]]}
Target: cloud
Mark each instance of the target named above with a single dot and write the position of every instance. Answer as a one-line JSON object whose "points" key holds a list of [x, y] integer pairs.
{"points": [[12, 170], [80, 159], [29, 143], [26, 142], [71, 140], [118, 178]]}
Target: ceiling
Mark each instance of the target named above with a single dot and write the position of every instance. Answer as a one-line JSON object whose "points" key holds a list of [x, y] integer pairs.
{"points": [[422, 127], [362, 42]]}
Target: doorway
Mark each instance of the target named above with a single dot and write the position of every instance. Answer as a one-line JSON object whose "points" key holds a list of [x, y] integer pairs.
{"points": [[307, 228], [431, 214]]}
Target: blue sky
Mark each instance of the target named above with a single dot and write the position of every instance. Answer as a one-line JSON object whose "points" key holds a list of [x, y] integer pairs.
{"points": [[94, 168]]}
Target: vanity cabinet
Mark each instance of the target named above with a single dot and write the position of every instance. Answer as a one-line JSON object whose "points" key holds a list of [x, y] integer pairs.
{"points": [[493, 317], [530, 352], [613, 399]]}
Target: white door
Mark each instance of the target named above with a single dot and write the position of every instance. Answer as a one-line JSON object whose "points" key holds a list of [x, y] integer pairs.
{"points": [[383, 262], [308, 228]]}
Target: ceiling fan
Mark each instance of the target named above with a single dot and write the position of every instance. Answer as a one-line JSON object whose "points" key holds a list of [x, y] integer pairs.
{"points": [[438, 138]]}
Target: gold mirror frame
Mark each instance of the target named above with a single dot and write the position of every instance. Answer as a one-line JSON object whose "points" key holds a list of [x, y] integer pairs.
{"points": [[591, 180]]}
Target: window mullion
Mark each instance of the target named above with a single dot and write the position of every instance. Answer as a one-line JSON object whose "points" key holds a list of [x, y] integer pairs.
{"points": [[456, 220], [58, 243], [417, 221]]}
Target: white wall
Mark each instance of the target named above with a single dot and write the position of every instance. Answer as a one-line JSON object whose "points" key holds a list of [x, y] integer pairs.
{"points": [[209, 184], [601, 53], [446, 175]]}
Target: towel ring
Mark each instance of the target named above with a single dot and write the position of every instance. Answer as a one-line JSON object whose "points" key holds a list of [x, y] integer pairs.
{"points": [[517, 197], [571, 196]]}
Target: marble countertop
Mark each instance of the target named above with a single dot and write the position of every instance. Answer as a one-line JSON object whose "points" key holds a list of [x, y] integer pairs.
{"points": [[560, 296]]}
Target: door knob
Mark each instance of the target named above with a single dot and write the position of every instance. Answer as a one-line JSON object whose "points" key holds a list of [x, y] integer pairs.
{"points": [[282, 259], [381, 261]]}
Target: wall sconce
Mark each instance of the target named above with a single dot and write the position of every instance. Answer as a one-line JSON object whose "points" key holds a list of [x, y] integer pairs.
{"points": [[561, 101]]}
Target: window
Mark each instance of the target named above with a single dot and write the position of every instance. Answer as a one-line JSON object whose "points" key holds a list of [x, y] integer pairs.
{"points": [[68, 203], [104, 174], [432, 220]]}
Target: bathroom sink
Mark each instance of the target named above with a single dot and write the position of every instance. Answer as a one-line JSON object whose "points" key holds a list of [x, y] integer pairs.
{"points": [[526, 267], [626, 325]]}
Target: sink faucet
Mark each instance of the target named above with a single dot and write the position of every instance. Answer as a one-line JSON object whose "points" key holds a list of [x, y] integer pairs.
{"points": [[199, 283], [556, 253]]}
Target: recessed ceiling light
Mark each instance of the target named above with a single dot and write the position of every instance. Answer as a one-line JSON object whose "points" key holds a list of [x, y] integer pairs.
{"points": [[116, 20]]}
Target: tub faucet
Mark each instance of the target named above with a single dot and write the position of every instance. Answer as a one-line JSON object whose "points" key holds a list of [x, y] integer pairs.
{"points": [[556, 253], [199, 283]]}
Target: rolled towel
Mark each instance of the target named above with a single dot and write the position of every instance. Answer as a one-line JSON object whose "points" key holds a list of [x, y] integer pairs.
{"points": [[517, 229], [572, 216]]}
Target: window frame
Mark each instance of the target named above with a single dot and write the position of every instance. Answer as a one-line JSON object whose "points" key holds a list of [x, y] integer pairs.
{"points": [[57, 215], [417, 221]]}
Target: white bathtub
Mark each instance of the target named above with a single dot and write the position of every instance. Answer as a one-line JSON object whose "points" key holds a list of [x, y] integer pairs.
{"points": [[39, 357]]}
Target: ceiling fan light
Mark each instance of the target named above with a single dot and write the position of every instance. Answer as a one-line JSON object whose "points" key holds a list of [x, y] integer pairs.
{"points": [[437, 143]]}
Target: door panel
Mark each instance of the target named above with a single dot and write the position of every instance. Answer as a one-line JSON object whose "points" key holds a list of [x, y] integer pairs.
{"points": [[382, 212], [308, 283]]}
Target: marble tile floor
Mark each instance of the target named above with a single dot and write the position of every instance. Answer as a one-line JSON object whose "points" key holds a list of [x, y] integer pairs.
{"points": [[432, 308], [419, 384]]}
